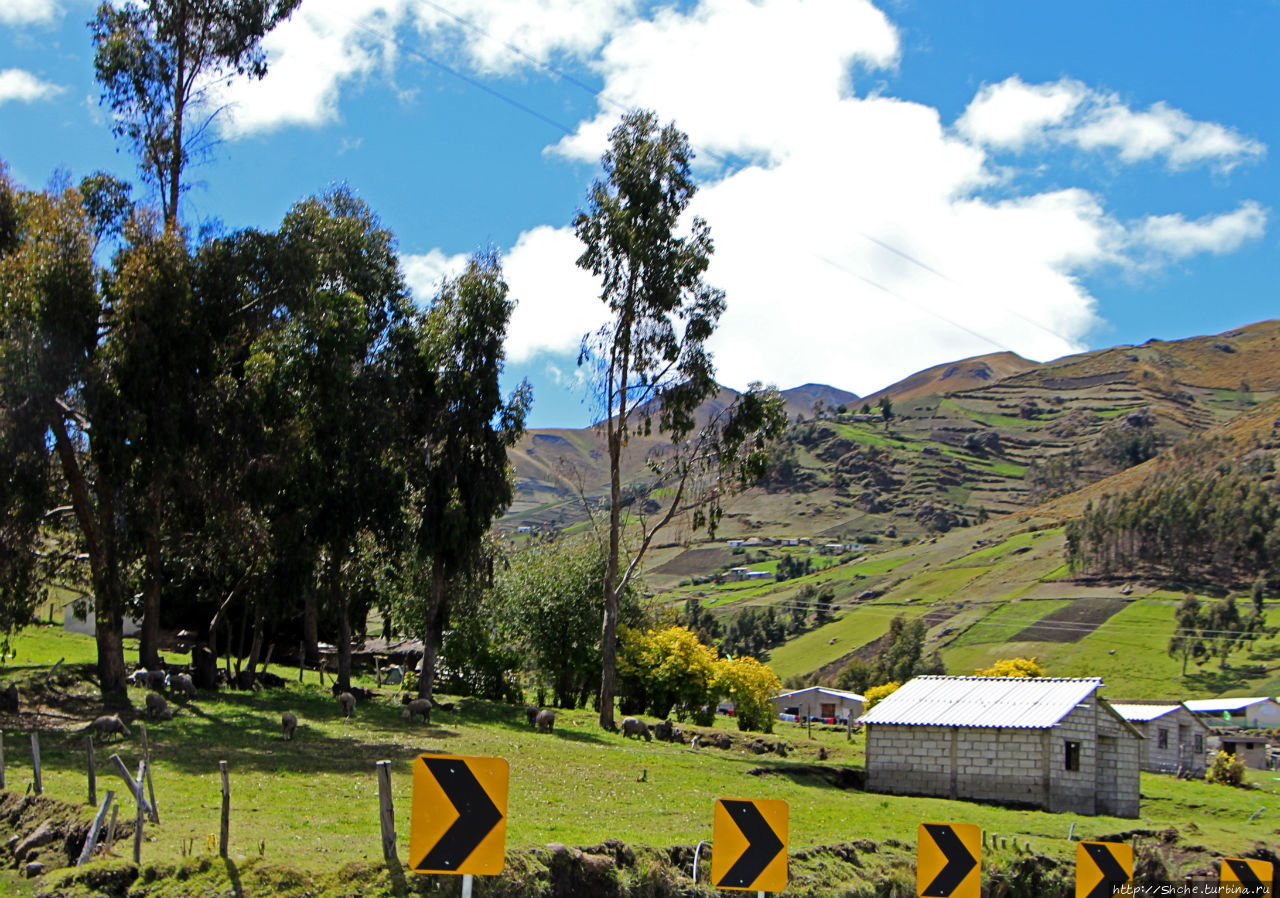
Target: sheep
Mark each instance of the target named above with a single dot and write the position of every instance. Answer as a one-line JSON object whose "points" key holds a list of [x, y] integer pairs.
{"points": [[288, 724], [531, 714], [348, 703], [109, 725], [546, 720], [157, 707], [663, 730], [157, 680], [417, 706], [634, 727], [183, 683]]}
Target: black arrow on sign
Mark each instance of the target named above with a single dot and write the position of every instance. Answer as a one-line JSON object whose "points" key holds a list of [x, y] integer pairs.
{"points": [[477, 815], [1113, 873], [959, 861], [1245, 874], [763, 845]]}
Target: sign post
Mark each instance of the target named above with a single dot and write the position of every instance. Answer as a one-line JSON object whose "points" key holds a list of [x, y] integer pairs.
{"points": [[948, 860], [459, 816], [749, 838]]}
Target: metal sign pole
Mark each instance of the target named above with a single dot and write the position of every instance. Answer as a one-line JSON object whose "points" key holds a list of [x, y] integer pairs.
{"points": [[466, 885]]}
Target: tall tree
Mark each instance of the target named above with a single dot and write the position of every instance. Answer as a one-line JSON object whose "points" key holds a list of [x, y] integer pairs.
{"points": [[651, 358], [458, 469], [1188, 640], [159, 60]]}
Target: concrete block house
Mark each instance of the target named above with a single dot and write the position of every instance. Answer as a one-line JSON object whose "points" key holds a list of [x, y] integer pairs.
{"points": [[1174, 739], [1030, 742]]}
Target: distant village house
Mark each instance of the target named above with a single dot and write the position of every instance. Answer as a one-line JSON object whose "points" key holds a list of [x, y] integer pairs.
{"points": [[1252, 713], [820, 702], [1173, 737]]}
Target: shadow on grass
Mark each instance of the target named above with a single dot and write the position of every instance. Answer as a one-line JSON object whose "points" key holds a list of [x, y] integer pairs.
{"points": [[820, 775], [233, 874], [1222, 680]]}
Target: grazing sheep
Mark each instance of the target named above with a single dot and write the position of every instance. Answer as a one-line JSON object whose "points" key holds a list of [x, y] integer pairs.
{"points": [[348, 703], [634, 727], [663, 730], [183, 683], [157, 707], [110, 725], [531, 714], [157, 680], [138, 677], [288, 724], [417, 706], [546, 720]]}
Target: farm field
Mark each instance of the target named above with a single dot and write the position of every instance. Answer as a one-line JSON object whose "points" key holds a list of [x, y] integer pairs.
{"points": [[311, 804]]}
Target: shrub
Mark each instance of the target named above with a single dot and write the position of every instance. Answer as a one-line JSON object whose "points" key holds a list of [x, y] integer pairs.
{"points": [[876, 694], [1225, 769]]}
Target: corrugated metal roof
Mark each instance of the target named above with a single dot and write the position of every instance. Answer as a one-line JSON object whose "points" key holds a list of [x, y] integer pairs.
{"points": [[1215, 705], [1025, 702], [1143, 712], [822, 690]]}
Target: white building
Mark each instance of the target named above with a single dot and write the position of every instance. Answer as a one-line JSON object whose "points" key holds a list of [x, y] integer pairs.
{"points": [[1173, 737], [1035, 742], [820, 702], [1250, 713]]}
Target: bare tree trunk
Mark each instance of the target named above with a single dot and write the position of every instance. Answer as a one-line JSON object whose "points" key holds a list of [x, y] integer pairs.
{"points": [[433, 631], [310, 628], [609, 631], [153, 574], [338, 599]]}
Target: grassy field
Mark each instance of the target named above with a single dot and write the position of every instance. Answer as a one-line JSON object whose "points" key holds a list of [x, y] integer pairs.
{"points": [[313, 801]]}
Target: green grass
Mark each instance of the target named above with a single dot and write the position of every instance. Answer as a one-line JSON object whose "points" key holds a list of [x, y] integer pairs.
{"points": [[1002, 622], [311, 804], [851, 630]]}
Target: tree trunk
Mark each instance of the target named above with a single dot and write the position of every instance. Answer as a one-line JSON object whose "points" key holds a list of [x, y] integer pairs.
{"points": [[149, 638], [108, 627], [432, 632], [338, 599], [609, 632], [310, 628]]}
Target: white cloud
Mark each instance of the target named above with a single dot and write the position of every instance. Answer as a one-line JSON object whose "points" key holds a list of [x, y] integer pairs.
{"points": [[1176, 237], [750, 77], [29, 12], [845, 187], [23, 87], [426, 272], [1013, 115]]}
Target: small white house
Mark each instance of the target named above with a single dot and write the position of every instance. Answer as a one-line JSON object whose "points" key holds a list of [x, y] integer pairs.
{"points": [[1250, 713], [78, 617], [820, 703], [1174, 739]]}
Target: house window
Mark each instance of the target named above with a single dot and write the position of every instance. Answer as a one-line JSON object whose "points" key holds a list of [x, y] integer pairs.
{"points": [[1073, 756], [1162, 738], [1199, 744]]}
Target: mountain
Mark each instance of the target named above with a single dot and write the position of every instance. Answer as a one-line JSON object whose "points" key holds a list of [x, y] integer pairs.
{"points": [[802, 400], [962, 375]]}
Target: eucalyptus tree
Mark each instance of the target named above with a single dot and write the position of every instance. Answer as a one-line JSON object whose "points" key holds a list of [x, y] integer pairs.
{"points": [[160, 62], [651, 360], [60, 399], [457, 436]]}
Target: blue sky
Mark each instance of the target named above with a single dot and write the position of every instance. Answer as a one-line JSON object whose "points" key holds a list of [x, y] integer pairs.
{"points": [[890, 185]]}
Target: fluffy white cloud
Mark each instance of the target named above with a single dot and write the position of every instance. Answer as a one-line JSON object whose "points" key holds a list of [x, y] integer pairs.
{"points": [[23, 87], [426, 272], [1013, 115], [29, 12], [1176, 237], [861, 240]]}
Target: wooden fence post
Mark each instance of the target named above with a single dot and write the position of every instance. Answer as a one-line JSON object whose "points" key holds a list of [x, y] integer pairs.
{"points": [[302, 659], [1, 762], [386, 812], [135, 789], [151, 790], [93, 773], [35, 761], [142, 803], [111, 827], [226, 810], [92, 840]]}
